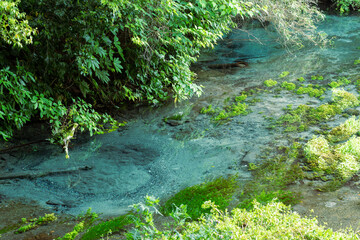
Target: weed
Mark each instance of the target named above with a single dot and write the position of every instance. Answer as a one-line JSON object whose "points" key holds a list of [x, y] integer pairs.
{"points": [[342, 81]]}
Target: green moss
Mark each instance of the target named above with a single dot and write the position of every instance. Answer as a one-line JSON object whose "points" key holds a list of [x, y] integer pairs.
{"points": [[286, 197], [219, 191], [283, 74], [208, 110], [109, 227], [357, 61], [270, 83]]}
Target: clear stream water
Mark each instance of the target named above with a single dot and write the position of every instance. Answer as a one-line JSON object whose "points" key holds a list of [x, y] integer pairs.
{"points": [[151, 157]]}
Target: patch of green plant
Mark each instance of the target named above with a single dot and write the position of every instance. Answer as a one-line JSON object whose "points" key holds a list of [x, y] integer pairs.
{"points": [[270, 83], [284, 74], [300, 118], [220, 191], [342, 81], [36, 222], [228, 111], [264, 198], [357, 61], [78, 228], [288, 86], [301, 79], [312, 92], [317, 77], [344, 131], [340, 160], [109, 227]]}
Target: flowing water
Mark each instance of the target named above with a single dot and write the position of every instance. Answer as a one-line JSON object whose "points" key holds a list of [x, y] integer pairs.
{"points": [[149, 156]]}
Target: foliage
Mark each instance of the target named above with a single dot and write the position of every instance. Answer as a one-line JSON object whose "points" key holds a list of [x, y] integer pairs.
{"points": [[20, 103], [271, 221], [14, 28], [345, 6], [295, 21], [219, 191], [270, 83], [78, 228], [36, 222]]}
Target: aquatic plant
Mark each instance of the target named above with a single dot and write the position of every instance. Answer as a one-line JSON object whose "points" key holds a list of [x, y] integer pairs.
{"points": [[345, 130], [319, 154], [229, 110], [284, 74], [270, 83], [301, 79], [288, 86], [344, 99], [357, 61], [317, 77], [312, 92], [342, 81], [219, 191]]}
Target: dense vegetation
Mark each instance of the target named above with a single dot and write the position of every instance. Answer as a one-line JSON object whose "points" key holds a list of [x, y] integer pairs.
{"points": [[61, 59]]}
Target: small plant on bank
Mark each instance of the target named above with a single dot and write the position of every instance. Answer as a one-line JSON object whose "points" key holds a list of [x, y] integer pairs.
{"points": [[219, 191], [35, 222], [270, 83]]}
